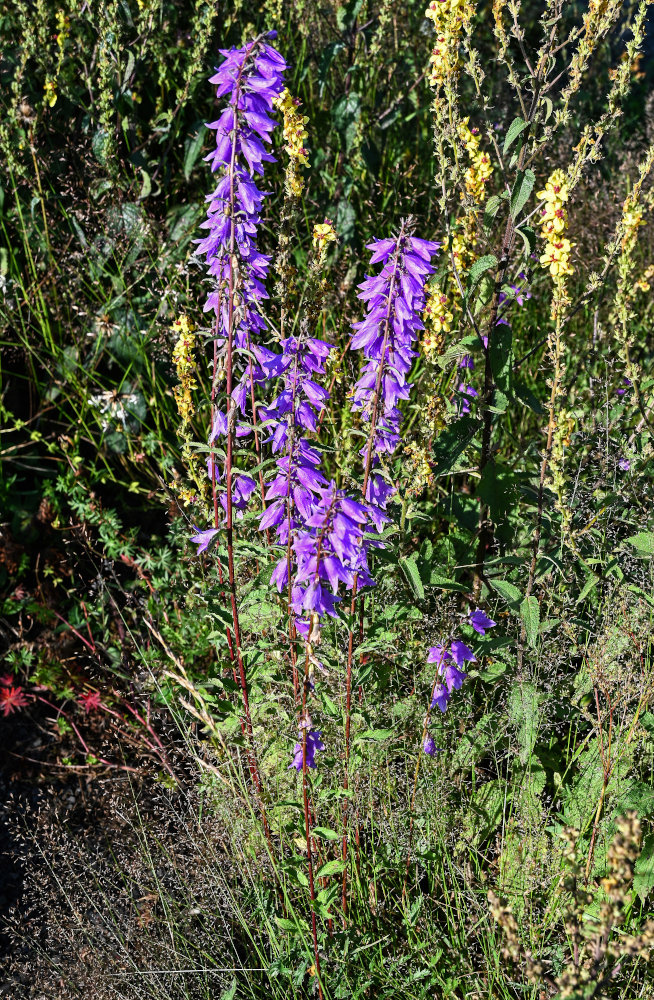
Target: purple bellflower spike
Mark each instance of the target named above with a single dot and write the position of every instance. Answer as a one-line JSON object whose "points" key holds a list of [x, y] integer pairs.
{"points": [[449, 662], [330, 550], [480, 621], [453, 677], [438, 655], [624, 464], [626, 383], [395, 300], [314, 743], [249, 78]]}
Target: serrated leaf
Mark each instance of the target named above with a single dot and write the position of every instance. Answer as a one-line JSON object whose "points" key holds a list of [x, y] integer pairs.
{"points": [[507, 590], [129, 69], [331, 868], [286, 925], [526, 396], [647, 722], [516, 128], [452, 442], [591, 582], [523, 710], [522, 189], [146, 185], [643, 542], [194, 149], [479, 268], [436, 580], [410, 570], [530, 614]]}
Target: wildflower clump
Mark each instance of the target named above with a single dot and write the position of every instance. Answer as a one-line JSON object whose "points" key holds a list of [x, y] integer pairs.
{"points": [[554, 224], [294, 136]]}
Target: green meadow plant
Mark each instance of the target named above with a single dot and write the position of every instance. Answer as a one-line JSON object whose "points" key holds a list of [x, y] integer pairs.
{"points": [[399, 398]]}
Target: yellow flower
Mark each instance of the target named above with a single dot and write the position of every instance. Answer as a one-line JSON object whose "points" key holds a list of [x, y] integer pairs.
{"points": [[294, 136], [323, 233], [185, 365], [50, 91]]}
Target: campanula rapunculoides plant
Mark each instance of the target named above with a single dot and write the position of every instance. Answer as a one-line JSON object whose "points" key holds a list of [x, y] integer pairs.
{"points": [[320, 536]]}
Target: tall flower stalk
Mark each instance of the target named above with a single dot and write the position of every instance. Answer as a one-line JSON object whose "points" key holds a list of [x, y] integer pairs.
{"points": [[395, 301], [251, 77]]}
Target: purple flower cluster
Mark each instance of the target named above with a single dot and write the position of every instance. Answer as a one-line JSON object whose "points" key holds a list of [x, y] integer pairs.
{"points": [[450, 662], [395, 301], [332, 549], [293, 492], [251, 77]]}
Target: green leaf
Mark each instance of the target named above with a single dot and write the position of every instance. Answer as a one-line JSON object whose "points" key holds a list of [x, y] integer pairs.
{"points": [[530, 614], [501, 359], [516, 128], [491, 209], [486, 810], [522, 189], [377, 735], [331, 868], [410, 570], [146, 185], [325, 833], [528, 238], [346, 110], [644, 870], [452, 442], [498, 489], [647, 722], [493, 671], [444, 583], [230, 992], [506, 590], [193, 149], [479, 268], [286, 925], [523, 712], [643, 542], [591, 582], [527, 397]]}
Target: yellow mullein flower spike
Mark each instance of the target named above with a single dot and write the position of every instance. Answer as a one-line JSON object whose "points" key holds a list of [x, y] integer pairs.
{"points": [[294, 135]]}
